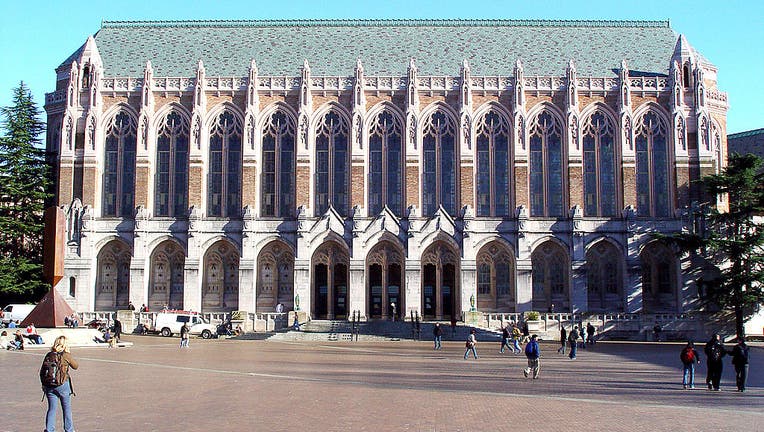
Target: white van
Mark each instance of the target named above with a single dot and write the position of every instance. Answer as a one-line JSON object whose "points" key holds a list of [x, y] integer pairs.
{"points": [[168, 323], [16, 312]]}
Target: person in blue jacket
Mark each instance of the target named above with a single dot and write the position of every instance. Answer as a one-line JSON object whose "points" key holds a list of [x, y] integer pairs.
{"points": [[533, 354]]}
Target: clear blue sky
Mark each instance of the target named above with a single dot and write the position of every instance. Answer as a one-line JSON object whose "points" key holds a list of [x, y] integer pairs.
{"points": [[36, 36]]}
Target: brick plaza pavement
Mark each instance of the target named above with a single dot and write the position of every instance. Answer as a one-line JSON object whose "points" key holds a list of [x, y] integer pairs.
{"points": [[386, 386]]}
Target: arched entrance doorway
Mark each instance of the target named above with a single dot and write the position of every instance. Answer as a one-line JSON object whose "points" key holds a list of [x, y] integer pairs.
{"points": [[384, 270], [659, 278], [166, 282], [440, 284], [495, 278], [113, 287], [220, 290], [330, 266], [275, 277], [551, 269]]}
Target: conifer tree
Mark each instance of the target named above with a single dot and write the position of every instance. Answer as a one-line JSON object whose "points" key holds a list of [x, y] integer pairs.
{"points": [[24, 185], [733, 240]]}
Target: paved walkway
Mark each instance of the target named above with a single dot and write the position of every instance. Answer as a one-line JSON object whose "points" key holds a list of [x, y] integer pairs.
{"points": [[390, 386]]}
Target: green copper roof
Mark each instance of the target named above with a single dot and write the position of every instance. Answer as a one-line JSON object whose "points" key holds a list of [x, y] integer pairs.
{"points": [[384, 46]]}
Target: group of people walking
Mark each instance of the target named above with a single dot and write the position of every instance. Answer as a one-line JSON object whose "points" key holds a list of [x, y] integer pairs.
{"points": [[715, 352]]}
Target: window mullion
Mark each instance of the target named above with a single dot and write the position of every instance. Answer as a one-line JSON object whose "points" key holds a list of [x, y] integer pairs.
{"points": [[277, 174], [171, 180], [224, 177]]}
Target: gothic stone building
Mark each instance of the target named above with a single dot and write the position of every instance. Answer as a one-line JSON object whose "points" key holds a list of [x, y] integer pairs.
{"points": [[339, 166]]}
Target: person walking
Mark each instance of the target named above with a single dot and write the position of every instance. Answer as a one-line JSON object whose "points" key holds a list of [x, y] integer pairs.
{"points": [[184, 336], [117, 329], [590, 330], [689, 356], [573, 340], [563, 340], [533, 354], [471, 345], [714, 351], [582, 332], [516, 335], [59, 394], [437, 333], [526, 332], [740, 362], [505, 339]]}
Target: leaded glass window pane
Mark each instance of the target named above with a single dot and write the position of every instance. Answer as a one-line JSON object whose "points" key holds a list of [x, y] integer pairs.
{"points": [[375, 174], [501, 175], [332, 170], [483, 177], [439, 142], [599, 166], [653, 183], [484, 279], [429, 180], [546, 159], [172, 167], [537, 176], [224, 196], [269, 176], [119, 167]]}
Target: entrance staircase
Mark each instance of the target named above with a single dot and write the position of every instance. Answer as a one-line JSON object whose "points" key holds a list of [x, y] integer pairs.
{"points": [[377, 330]]}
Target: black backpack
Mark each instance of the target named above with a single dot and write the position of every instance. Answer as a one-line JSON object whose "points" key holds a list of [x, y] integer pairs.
{"points": [[716, 352], [51, 372]]}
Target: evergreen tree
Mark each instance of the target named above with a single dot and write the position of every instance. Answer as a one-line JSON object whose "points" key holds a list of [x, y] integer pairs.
{"points": [[733, 240], [24, 182]]}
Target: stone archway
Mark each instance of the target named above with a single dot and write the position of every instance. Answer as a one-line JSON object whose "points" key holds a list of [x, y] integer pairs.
{"points": [[275, 277], [385, 285], [166, 276], [551, 277], [440, 282], [330, 277], [659, 278], [112, 289], [495, 278], [220, 286], [604, 278]]}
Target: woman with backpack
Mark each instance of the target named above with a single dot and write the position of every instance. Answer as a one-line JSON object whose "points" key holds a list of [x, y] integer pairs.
{"points": [[56, 383], [689, 356]]}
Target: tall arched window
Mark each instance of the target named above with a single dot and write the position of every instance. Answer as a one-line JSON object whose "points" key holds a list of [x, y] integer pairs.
{"points": [[172, 167], [278, 163], [439, 173], [224, 196], [546, 166], [332, 164], [652, 166], [599, 166], [119, 167], [492, 165], [385, 164]]}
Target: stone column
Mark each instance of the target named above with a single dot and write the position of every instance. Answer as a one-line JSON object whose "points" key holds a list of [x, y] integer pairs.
{"points": [[247, 300], [357, 290], [302, 286], [524, 296], [192, 287], [413, 286]]}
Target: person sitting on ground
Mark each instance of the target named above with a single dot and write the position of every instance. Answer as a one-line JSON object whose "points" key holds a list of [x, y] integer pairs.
{"points": [[32, 335], [6, 341], [13, 324], [67, 321], [18, 341], [238, 330]]}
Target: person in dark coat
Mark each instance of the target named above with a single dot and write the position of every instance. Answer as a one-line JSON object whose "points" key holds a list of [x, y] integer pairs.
{"points": [[117, 329], [714, 351], [437, 333], [740, 361], [573, 339], [563, 340]]}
